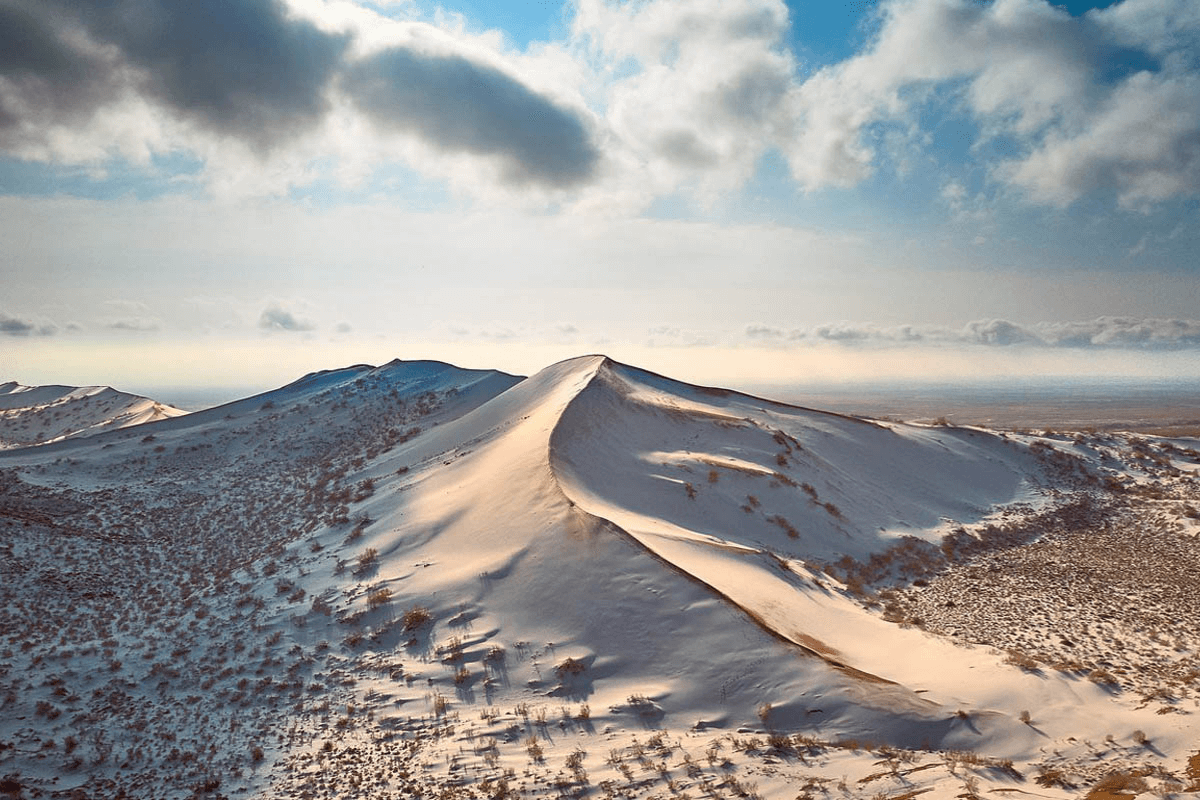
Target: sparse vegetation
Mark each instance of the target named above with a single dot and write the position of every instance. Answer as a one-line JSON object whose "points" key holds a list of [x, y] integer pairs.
{"points": [[164, 639], [379, 597], [568, 667], [415, 617], [367, 559]]}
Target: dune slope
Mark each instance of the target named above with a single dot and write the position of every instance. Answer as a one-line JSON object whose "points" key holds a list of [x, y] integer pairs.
{"points": [[33, 415]]}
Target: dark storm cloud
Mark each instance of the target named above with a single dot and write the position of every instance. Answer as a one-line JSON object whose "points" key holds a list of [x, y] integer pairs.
{"points": [[238, 67], [463, 106], [48, 77], [235, 67], [248, 70], [30, 46]]}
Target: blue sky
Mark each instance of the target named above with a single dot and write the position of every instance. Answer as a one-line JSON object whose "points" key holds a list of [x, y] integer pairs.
{"points": [[245, 190]]}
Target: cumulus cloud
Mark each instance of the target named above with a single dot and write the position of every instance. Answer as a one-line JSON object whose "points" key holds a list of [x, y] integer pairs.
{"points": [[1124, 332], [694, 90], [1028, 72], [639, 101], [277, 318], [1100, 333], [87, 80], [16, 326], [1143, 143], [460, 105], [244, 68], [997, 332], [241, 68], [46, 74]]}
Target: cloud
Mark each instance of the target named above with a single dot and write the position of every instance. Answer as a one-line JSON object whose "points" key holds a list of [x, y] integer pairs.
{"points": [[246, 69], [764, 332], [997, 332], [692, 90], [15, 326], [462, 106], [1143, 143], [44, 77], [1030, 75], [134, 324], [639, 101], [89, 80], [1104, 333], [1127, 332], [277, 318]]}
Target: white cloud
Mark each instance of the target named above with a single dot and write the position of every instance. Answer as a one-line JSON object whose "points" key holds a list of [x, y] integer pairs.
{"points": [[1144, 143], [693, 91], [1117, 332], [262, 90], [1027, 71], [1166, 28]]}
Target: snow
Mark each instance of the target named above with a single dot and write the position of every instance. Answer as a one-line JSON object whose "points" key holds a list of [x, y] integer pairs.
{"points": [[42, 414], [420, 579]]}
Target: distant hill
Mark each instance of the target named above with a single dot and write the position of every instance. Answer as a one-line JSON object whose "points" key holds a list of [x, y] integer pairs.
{"points": [[33, 415]]}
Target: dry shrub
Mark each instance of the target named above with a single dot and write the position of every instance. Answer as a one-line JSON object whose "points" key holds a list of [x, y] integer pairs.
{"points": [[1104, 677], [569, 666], [415, 617], [1118, 785], [1023, 660], [379, 597]]}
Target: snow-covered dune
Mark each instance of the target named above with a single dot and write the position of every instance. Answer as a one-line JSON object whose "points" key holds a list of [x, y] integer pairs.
{"points": [[498, 543], [671, 538], [751, 498], [440, 551], [32, 415], [759, 474]]}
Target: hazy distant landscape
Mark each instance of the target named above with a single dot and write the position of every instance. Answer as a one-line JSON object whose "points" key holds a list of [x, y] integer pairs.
{"points": [[1149, 404], [1166, 406]]}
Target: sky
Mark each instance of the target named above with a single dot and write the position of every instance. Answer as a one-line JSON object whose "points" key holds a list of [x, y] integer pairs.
{"points": [[238, 192]]}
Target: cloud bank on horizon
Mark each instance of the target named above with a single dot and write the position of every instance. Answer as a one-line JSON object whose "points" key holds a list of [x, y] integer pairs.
{"points": [[1103, 332], [1006, 139]]}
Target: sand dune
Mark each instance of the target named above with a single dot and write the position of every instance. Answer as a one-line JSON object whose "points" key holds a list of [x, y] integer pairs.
{"points": [[40, 414], [483, 571]]}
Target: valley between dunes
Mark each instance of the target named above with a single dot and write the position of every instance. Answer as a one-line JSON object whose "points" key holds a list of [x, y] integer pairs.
{"points": [[416, 580]]}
